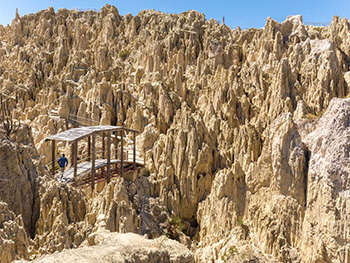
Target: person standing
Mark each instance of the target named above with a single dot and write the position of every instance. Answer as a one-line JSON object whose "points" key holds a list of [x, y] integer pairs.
{"points": [[62, 162]]}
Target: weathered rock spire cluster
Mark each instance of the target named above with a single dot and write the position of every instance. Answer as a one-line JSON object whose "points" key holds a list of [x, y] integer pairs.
{"points": [[244, 132]]}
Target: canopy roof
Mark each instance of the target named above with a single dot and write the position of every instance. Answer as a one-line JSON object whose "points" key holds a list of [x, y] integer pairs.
{"points": [[75, 134]]}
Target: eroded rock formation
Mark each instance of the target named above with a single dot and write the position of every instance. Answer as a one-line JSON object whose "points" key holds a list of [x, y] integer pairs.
{"points": [[240, 166], [120, 248], [326, 223]]}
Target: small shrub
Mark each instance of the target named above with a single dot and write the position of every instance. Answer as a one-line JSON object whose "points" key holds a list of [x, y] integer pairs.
{"points": [[233, 250], [230, 253], [56, 166], [240, 221], [175, 227], [177, 223], [318, 115], [124, 54], [310, 116]]}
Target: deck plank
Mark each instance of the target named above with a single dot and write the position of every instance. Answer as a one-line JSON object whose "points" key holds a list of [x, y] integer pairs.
{"points": [[84, 168]]}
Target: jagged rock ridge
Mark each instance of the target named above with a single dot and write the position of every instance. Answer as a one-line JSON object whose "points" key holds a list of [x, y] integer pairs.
{"points": [[224, 114]]}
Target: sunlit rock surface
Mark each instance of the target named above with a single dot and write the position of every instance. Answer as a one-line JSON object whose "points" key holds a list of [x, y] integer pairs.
{"points": [[245, 133]]}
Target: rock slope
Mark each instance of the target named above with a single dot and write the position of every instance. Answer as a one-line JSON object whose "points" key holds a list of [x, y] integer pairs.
{"points": [[121, 248], [326, 224], [240, 166]]}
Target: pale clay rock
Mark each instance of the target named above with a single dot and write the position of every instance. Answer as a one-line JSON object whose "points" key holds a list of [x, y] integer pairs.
{"points": [[236, 154], [119, 248]]}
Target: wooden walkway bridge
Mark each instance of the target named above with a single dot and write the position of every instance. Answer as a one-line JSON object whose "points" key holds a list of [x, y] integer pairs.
{"points": [[91, 170]]}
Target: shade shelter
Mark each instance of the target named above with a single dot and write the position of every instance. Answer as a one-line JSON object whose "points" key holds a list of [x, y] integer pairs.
{"points": [[88, 168]]}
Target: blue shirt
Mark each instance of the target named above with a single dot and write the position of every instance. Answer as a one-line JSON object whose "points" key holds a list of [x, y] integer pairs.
{"points": [[62, 162]]}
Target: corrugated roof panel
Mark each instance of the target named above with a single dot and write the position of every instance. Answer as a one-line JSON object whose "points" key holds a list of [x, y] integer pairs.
{"points": [[80, 133]]}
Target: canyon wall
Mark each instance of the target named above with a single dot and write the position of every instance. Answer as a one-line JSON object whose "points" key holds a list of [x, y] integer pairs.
{"points": [[244, 132]]}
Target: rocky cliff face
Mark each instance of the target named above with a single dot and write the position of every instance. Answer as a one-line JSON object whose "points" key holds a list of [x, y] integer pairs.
{"points": [[326, 223], [18, 176], [241, 166]]}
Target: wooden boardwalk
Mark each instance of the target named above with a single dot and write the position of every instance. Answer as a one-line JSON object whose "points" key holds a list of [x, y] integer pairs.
{"points": [[85, 173], [85, 168], [101, 175]]}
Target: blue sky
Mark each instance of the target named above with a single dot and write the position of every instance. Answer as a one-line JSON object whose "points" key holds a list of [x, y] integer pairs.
{"points": [[243, 13]]}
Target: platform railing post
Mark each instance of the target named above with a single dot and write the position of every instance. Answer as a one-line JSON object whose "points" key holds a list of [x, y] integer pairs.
{"points": [[134, 160], [93, 162], [122, 152], [103, 149], [116, 115], [108, 157], [116, 148], [67, 122], [72, 155], [103, 145], [53, 146], [75, 160], [89, 149]]}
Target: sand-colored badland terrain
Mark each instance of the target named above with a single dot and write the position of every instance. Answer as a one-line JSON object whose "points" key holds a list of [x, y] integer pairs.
{"points": [[245, 136]]}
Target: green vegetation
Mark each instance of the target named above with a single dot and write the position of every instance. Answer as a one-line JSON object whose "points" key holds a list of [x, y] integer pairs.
{"points": [[240, 221], [231, 252], [56, 166], [178, 223], [175, 227], [124, 54], [310, 116]]}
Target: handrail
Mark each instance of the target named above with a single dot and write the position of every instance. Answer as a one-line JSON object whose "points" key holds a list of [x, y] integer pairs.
{"points": [[80, 117], [126, 151]]}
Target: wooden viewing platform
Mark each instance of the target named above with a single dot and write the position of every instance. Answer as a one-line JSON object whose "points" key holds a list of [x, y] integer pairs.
{"points": [[92, 170]]}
